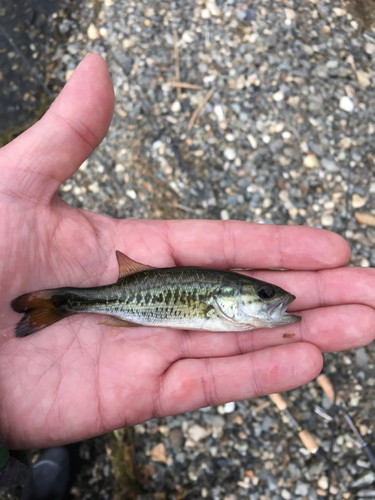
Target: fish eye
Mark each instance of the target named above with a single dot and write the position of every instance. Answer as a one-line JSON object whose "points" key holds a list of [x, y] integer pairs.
{"points": [[266, 292]]}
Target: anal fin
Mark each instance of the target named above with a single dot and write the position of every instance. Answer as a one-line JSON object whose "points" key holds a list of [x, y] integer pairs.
{"points": [[118, 322]]}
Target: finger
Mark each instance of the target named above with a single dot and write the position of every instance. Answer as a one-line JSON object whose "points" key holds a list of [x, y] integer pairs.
{"points": [[195, 383], [39, 160], [329, 329], [230, 244], [346, 285]]}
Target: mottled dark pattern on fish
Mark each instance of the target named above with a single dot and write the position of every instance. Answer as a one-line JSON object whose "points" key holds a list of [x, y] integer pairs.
{"points": [[177, 297]]}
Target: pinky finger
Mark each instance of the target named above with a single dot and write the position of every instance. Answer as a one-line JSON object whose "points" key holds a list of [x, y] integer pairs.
{"points": [[195, 383]]}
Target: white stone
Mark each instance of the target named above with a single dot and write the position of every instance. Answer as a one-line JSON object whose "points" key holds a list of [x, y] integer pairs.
{"points": [[243, 484], [253, 141], [267, 203], [229, 407], [84, 165], [339, 12], [68, 74], [323, 482], [358, 201], [230, 153], [346, 142], [205, 14], [119, 168], [93, 32], [332, 64], [266, 139], [104, 32], [219, 112], [311, 161], [286, 494], [302, 489], [294, 100], [188, 36], [197, 433], [176, 107], [224, 214], [131, 193], [278, 96], [290, 14], [327, 220], [363, 79], [370, 48], [346, 104], [94, 187], [229, 137], [129, 42], [255, 480], [213, 8]]}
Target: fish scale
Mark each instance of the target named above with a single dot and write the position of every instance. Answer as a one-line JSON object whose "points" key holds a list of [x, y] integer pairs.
{"points": [[177, 297], [171, 293]]}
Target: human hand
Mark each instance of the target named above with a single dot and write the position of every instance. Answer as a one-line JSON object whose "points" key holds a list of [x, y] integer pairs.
{"points": [[78, 378]]}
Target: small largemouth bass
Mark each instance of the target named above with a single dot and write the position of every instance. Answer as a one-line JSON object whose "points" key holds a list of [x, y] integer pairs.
{"points": [[190, 298]]}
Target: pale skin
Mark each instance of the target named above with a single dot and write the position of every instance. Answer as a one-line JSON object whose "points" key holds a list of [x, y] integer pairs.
{"points": [[78, 378]]}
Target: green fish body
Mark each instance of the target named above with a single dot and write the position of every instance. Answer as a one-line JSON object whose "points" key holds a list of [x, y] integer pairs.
{"points": [[190, 298]]}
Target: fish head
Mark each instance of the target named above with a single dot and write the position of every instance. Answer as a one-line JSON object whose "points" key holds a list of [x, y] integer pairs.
{"points": [[264, 305]]}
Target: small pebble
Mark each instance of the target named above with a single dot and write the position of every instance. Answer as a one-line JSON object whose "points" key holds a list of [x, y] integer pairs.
{"points": [[323, 482], [230, 153], [278, 96], [365, 218], [327, 220], [311, 161], [358, 201], [329, 165], [131, 193], [93, 32], [346, 104], [159, 453], [253, 142], [197, 433], [176, 107]]}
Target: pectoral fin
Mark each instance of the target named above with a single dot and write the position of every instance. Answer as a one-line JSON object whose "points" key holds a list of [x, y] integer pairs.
{"points": [[118, 322]]}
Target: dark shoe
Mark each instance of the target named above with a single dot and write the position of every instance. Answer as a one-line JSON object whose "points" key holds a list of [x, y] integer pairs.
{"points": [[50, 476]]}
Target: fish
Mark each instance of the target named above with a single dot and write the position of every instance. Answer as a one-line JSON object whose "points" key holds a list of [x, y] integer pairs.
{"points": [[188, 298]]}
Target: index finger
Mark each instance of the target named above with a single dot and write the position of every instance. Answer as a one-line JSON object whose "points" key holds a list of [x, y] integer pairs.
{"points": [[231, 244]]}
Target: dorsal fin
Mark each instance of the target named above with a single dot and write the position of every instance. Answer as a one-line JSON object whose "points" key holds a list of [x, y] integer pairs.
{"points": [[127, 266]]}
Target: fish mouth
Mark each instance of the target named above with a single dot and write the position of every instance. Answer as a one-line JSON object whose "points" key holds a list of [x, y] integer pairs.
{"points": [[276, 310]]}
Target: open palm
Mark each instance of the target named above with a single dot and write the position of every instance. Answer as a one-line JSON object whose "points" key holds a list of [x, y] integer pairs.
{"points": [[78, 378]]}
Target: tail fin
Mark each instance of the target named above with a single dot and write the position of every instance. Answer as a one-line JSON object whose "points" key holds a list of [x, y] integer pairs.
{"points": [[40, 309]]}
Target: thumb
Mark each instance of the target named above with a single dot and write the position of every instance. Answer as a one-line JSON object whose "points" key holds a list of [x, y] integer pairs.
{"points": [[39, 160]]}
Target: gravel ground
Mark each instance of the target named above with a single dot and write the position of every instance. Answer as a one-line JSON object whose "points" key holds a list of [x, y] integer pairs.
{"points": [[286, 137]]}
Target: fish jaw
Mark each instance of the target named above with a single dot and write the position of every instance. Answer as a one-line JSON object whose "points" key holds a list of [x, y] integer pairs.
{"points": [[286, 319], [276, 310], [278, 315]]}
